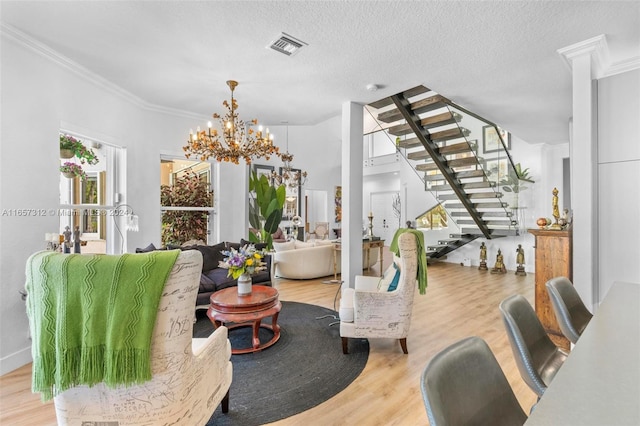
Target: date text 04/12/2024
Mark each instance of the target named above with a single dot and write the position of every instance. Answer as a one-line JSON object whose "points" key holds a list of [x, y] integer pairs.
{"points": [[62, 212]]}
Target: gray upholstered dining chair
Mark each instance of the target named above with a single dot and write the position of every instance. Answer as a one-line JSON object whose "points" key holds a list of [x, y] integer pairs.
{"points": [[537, 357], [570, 312], [464, 385]]}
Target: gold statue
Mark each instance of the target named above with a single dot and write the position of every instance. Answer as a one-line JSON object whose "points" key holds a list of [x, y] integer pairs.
{"points": [[483, 258], [556, 210], [520, 261], [499, 267]]}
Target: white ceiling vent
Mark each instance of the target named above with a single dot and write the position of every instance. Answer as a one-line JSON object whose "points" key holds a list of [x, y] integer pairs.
{"points": [[287, 44]]}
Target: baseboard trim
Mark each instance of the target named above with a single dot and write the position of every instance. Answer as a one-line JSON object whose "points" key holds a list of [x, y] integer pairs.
{"points": [[15, 360]]}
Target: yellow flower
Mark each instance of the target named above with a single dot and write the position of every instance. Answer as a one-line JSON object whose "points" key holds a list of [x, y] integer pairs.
{"points": [[249, 262], [257, 255]]}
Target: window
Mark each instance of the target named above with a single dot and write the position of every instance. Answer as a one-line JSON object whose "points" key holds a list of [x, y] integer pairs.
{"points": [[435, 218], [85, 204], [186, 201]]}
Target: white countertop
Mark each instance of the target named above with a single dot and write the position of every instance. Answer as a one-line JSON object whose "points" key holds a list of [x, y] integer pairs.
{"points": [[599, 383]]}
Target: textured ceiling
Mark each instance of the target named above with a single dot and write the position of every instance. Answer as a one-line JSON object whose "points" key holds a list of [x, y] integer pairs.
{"points": [[496, 58]]}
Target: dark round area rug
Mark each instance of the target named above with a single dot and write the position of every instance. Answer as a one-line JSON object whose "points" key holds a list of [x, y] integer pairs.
{"points": [[303, 369]]}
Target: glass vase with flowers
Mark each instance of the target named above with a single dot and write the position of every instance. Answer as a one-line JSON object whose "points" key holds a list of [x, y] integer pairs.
{"points": [[242, 263]]}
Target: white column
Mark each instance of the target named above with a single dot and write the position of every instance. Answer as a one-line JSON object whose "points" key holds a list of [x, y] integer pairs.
{"points": [[352, 169], [584, 59]]}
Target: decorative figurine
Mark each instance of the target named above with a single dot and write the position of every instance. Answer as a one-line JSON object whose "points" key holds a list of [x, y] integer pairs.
{"points": [[520, 261], [564, 220], [76, 240], [483, 258], [67, 240], [556, 211], [499, 267]]}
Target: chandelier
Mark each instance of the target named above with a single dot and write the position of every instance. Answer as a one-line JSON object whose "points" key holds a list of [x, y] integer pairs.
{"points": [[237, 141], [288, 175]]}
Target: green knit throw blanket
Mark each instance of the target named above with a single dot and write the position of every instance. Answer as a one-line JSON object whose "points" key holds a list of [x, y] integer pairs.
{"points": [[422, 255], [92, 317]]}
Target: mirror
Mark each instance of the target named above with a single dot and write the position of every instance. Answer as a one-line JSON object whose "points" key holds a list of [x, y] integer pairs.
{"points": [[316, 208]]}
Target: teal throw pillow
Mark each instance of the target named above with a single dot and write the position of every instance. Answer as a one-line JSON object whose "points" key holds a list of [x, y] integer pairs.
{"points": [[395, 280]]}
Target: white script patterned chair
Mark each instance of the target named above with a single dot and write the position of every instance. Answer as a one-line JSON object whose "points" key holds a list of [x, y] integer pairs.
{"points": [[371, 311], [190, 376], [321, 231]]}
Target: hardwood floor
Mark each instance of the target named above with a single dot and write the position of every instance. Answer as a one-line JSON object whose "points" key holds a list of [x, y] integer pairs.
{"points": [[460, 302]]}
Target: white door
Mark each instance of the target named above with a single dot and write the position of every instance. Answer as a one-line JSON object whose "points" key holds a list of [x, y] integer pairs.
{"points": [[385, 222]]}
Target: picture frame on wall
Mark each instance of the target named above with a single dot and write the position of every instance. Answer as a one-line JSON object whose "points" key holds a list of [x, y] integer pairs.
{"points": [[262, 169], [491, 141], [338, 204]]}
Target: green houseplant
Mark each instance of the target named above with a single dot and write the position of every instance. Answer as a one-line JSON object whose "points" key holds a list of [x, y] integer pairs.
{"points": [[179, 226], [265, 208], [514, 182]]}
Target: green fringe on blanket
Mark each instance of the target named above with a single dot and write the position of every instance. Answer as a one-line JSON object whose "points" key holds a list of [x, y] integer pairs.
{"points": [[92, 317]]}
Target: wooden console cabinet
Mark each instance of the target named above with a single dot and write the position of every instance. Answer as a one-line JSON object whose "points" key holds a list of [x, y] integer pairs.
{"points": [[553, 259]]}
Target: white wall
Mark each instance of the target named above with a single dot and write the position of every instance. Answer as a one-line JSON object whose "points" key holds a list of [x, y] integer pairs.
{"points": [[38, 96], [618, 179]]}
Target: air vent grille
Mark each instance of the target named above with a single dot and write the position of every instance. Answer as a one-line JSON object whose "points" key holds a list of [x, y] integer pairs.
{"points": [[287, 44]]}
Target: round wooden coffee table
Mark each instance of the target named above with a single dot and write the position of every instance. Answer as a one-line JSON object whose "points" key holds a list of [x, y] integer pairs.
{"points": [[233, 311]]}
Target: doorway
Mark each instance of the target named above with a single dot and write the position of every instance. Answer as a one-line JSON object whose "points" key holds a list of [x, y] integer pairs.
{"points": [[386, 219]]}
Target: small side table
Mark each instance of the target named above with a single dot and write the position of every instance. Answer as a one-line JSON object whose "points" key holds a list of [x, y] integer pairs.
{"points": [[233, 311]]}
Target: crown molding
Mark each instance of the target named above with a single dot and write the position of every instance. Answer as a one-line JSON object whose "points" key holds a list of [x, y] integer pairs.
{"points": [[598, 48], [48, 53]]}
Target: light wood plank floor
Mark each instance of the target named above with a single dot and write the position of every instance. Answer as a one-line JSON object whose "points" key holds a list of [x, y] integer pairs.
{"points": [[460, 302]]}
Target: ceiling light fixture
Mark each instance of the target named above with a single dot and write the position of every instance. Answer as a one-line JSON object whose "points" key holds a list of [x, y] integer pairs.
{"points": [[288, 175], [238, 140]]}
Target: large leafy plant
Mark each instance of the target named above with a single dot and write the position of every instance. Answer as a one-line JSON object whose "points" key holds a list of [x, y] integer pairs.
{"points": [[179, 226], [265, 208], [514, 181]]}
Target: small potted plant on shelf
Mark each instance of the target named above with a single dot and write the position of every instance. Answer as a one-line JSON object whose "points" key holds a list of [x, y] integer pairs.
{"points": [[70, 147], [71, 170]]}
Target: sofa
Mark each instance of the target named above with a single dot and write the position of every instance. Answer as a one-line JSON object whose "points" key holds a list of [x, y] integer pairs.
{"points": [[213, 278], [312, 259]]}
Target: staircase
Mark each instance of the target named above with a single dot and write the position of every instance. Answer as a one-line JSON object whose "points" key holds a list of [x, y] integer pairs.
{"points": [[460, 157]]}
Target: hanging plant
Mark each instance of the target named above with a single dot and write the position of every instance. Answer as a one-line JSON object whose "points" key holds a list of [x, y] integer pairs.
{"points": [[72, 170], [70, 147]]}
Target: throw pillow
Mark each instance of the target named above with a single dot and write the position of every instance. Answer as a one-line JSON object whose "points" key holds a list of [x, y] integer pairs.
{"points": [[278, 235], [387, 278], [323, 242], [211, 255], [303, 244], [396, 279], [232, 245], [289, 245], [259, 246], [147, 249]]}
